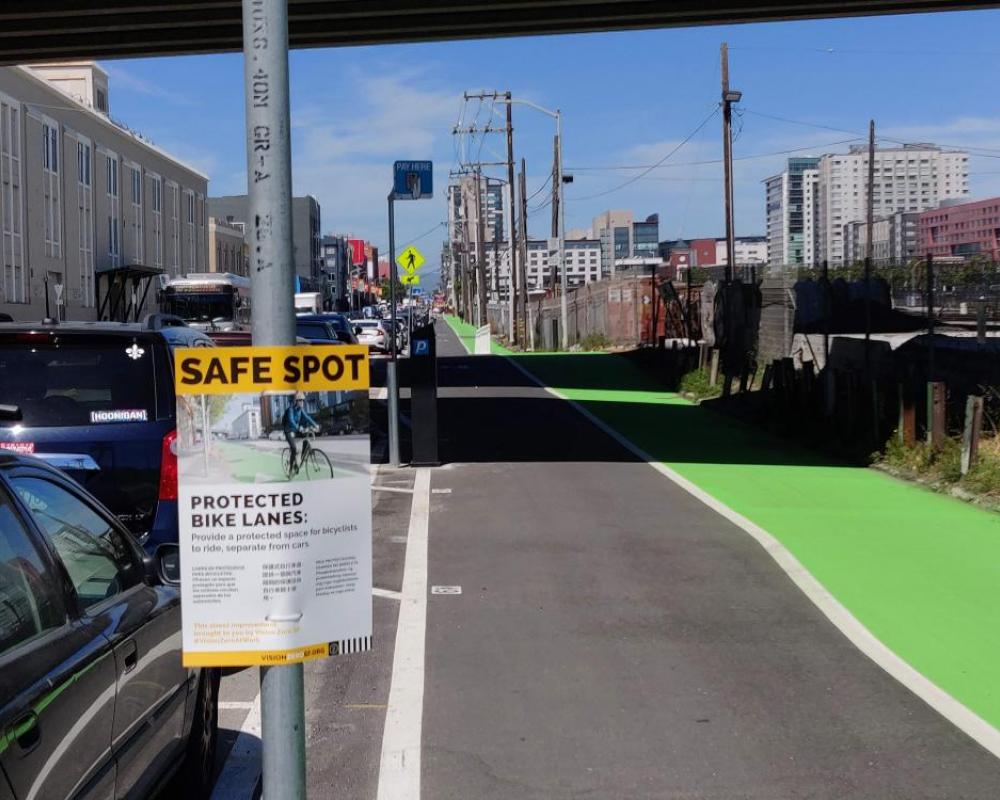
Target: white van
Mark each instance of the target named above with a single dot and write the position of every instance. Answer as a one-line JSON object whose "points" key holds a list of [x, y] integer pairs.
{"points": [[308, 303]]}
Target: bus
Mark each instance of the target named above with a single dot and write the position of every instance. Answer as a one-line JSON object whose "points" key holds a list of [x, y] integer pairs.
{"points": [[209, 301]]}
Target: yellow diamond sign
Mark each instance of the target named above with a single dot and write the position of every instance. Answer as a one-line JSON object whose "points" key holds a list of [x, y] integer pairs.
{"points": [[410, 259], [409, 279]]}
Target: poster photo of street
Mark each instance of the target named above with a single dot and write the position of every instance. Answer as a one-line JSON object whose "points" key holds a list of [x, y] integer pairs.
{"points": [[272, 437]]}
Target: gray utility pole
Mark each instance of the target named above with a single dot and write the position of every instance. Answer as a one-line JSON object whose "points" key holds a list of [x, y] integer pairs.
{"points": [[523, 271], [512, 284], [563, 308], [729, 97], [555, 206], [269, 190], [391, 373], [869, 245], [480, 250]]}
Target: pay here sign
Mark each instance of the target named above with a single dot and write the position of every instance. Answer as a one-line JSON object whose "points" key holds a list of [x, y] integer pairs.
{"points": [[274, 503]]}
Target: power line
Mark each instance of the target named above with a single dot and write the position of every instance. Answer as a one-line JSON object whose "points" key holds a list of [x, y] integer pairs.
{"points": [[987, 152], [704, 162], [633, 179]]}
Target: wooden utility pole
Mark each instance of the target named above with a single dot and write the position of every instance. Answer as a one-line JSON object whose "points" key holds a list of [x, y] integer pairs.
{"points": [[728, 98], [523, 272], [480, 248], [512, 242]]}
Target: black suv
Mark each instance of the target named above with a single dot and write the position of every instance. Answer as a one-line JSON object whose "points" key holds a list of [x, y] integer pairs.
{"points": [[96, 399], [94, 700]]}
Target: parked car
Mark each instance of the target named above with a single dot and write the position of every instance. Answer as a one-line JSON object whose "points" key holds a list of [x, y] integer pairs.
{"points": [[343, 327], [97, 400], [94, 700], [372, 332], [240, 338]]}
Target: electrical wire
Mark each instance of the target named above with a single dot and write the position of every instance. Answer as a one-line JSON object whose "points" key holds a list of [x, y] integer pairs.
{"points": [[633, 179], [751, 157], [987, 152]]}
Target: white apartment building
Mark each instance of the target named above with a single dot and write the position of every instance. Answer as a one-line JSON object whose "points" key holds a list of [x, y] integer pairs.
{"points": [[82, 196], [749, 250], [583, 264], [910, 178], [791, 210]]}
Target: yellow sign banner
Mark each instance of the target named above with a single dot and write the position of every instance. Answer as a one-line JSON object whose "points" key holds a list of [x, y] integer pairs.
{"points": [[411, 259], [409, 280], [247, 370]]}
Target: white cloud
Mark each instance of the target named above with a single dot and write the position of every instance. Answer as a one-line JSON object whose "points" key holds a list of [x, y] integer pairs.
{"points": [[121, 79]]}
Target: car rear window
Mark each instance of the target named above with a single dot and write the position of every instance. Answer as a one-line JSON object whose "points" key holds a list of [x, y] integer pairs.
{"points": [[312, 330], [58, 382]]}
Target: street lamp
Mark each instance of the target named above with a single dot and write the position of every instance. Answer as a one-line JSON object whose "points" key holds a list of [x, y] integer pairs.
{"points": [[557, 116]]}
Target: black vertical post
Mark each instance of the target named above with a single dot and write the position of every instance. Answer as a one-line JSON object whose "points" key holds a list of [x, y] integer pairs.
{"points": [[687, 306], [828, 313], [45, 281], [930, 317]]}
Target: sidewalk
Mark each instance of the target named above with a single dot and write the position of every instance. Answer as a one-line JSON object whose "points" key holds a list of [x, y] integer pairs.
{"points": [[918, 569]]}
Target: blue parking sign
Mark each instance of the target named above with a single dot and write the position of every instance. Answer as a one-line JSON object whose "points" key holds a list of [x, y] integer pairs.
{"points": [[421, 347], [413, 180]]}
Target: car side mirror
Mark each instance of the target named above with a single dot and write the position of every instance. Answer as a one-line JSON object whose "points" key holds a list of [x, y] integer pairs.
{"points": [[164, 566], [357, 330]]}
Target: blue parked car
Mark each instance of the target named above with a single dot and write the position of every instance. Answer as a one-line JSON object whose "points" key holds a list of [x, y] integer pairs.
{"points": [[96, 399]]}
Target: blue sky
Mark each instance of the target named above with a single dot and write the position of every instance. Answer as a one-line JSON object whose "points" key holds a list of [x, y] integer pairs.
{"points": [[627, 98]]}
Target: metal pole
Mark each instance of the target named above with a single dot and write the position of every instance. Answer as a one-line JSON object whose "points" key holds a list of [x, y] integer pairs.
{"points": [[391, 376], [563, 311], [269, 190]]}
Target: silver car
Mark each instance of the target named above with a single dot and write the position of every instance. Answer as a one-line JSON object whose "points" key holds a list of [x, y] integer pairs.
{"points": [[372, 332]]}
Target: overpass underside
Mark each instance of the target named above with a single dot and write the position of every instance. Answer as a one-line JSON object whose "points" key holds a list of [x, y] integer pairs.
{"points": [[40, 30]]}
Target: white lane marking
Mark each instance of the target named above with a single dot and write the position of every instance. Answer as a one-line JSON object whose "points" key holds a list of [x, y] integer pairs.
{"points": [[961, 716], [387, 593], [446, 590], [440, 491], [399, 771], [391, 489], [240, 773], [235, 705]]}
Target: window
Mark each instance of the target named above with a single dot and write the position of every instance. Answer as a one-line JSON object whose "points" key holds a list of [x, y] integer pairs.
{"points": [[96, 556], [85, 218], [157, 207], [114, 211], [14, 284], [135, 214], [50, 187], [175, 229], [190, 260], [30, 601]]}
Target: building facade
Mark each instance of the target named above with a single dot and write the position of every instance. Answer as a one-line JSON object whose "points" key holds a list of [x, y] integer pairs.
{"points": [[227, 247], [790, 198], [895, 239], [82, 196], [910, 178], [305, 232], [963, 230]]}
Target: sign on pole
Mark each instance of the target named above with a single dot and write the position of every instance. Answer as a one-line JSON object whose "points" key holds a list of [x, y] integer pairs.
{"points": [[413, 180], [274, 504], [410, 279], [411, 259]]}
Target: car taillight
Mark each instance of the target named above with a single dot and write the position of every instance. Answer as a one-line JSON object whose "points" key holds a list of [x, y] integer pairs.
{"points": [[168, 467]]}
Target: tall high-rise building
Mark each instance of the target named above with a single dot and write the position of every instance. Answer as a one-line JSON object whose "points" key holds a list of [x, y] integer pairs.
{"points": [[909, 178], [791, 213]]}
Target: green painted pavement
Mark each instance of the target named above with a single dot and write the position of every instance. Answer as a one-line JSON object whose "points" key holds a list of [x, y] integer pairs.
{"points": [[467, 335], [247, 462], [920, 570]]}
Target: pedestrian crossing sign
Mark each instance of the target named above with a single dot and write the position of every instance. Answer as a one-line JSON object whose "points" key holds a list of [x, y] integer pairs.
{"points": [[409, 279], [410, 259]]}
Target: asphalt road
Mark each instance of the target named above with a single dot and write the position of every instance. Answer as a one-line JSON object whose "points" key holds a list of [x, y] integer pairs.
{"points": [[613, 638]]}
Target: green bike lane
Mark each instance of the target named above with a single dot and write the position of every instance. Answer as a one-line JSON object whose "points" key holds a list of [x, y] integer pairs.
{"points": [[921, 571]]}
